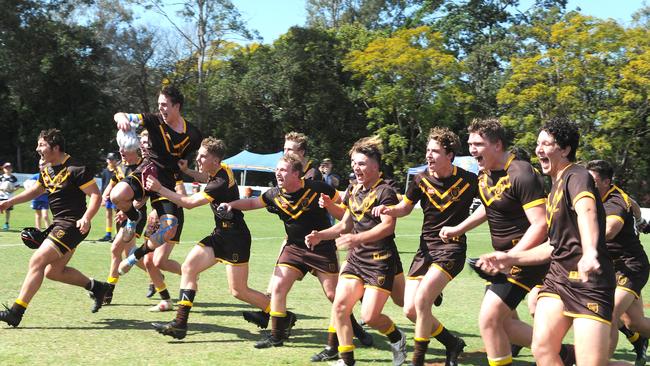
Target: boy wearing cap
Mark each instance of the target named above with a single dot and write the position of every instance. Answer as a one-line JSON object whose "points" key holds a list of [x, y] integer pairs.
{"points": [[7, 187]]}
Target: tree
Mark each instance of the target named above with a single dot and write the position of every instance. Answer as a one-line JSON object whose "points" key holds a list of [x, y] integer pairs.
{"points": [[372, 14]]}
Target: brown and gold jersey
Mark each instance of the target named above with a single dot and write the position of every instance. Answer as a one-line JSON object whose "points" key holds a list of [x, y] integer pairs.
{"points": [[63, 184], [311, 172], [574, 183], [222, 187], [122, 171], [444, 201], [300, 211], [506, 194], [626, 243], [360, 202], [167, 146]]}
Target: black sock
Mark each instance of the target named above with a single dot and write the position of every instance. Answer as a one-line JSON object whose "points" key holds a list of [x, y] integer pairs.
{"points": [[446, 338], [394, 335], [18, 309], [279, 325], [185, 303], [142, 251], [332, 340], [90, 285], [347, 357], [625, 330], [420, 351], [164, 295], [357, 329], [132, 213]]}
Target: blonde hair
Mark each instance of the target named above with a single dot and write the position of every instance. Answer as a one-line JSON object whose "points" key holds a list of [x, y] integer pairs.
{"points": [[293, 160], [299, 138], [214, 146]]}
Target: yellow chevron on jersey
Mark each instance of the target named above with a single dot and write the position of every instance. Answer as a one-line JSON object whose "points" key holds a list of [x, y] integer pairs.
{"points": [[443, 200], [297, 209]]}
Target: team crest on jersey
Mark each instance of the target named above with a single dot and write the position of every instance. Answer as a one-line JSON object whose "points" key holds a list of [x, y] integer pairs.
{"points": [[297, 209], [515, 270], [622, 280], [235, 257], [449, 265], [592, 306], [381, 280], [358, 209], [52, 184], [495, 192], [552, 205], [59, 234]]}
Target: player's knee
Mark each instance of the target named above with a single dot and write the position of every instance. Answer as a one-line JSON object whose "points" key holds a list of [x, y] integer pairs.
{"points": [[371, 318], [160, 262], [410, 312], [487, 322], [148, 261], [37, 262], [52, 273], [341, 308], [539, 349]]}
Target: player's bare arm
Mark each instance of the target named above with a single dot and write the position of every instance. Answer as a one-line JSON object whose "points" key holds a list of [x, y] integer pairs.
{"points": [[536, 232], [478, 217], [588, 226], [94, 203], [182, 200], [27, 195], [198, 176], [401, 209]]}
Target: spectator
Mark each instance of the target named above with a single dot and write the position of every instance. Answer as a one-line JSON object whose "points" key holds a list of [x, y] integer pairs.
{"points": [[326, 170], [7, 187], [40, 204]]}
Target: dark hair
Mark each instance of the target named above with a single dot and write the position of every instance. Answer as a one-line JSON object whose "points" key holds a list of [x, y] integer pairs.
{"points": [[53, 137], [174, 95], [446, 138], [520, 153], [214, 146], [370, 147], [565, 134], [602, 167], [490, 129]]}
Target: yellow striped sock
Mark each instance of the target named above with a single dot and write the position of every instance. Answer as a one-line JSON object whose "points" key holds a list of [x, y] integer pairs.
{"points": [[500, 361], [163, 288], [331, 329], [634, 337], [112, 280], [21, 303], [420, 339], [343, 349], [268, 309], [278, 314], [390, 329], [438, 330], [185, 303]]}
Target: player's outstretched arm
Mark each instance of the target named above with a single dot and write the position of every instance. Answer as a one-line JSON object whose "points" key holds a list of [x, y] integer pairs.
{"points": [[333, 206], [195, 174], [343, 226], [189, 202], [94, 203], [26, 195], [401, 209], [244, 204], [385, 228]]}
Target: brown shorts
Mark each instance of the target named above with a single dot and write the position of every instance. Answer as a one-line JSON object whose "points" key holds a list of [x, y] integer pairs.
{"points": [[231, 246], [527, 277], [65, 235], [398, 264], [322, 259], [449, 262], [378, 272], [579, 299], [631, 276]]}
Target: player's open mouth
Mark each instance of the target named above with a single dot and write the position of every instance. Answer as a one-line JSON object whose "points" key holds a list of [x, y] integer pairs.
{"points": [[479, 159], [544, 160]]}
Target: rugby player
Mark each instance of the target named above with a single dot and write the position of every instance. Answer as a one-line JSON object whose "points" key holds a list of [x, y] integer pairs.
{"points": [[371, 261], [445, 193], [67, 184]]}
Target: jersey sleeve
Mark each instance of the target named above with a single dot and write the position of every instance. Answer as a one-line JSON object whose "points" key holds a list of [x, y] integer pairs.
{"points": [[213, 189], [268, 197], [414, 193], [616, 207], [579, 186], [528, 187], [149, 121], [82, 176], [387, 196]]}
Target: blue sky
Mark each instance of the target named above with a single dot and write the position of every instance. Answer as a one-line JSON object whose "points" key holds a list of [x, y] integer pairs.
{"points": [[274, 17]]}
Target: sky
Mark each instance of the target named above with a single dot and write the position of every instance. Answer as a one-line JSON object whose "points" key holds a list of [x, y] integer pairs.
{"points": [[272, 18]]}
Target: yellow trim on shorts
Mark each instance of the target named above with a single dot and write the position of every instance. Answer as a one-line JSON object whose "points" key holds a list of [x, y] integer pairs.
{"points": [[414, 278], [581, 195], [597, 318], [616, 217], [548, 294], [377, 288], [515, 282], [628, 290], [442, 270], [534, 203], [88, 183], [160, 199], [228, 263], [58, 241], [56, 248], [351, 276], [289, 266]]}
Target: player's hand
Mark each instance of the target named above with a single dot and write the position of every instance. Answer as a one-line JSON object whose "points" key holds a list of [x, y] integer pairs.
{"points": [[120, 217], [5, 205], [324, 201], [182, 165], [346, 241], [123, 123], [587, 265], [448, 232], [312, 239], [152, 184], [83, 224], [495, 262], [381, 210]]}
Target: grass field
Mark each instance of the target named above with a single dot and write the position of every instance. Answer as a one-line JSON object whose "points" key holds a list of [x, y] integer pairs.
{"points": [[59, 329]]}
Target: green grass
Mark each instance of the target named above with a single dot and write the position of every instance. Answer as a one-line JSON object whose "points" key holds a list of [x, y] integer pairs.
{"points": [[58, 328]]}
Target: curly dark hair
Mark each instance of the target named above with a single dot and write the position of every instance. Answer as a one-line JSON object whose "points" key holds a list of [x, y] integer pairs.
{"points": [[565, 133], [53, 137], [602, 168], [490, 129], [174, 95], [446, 138]]}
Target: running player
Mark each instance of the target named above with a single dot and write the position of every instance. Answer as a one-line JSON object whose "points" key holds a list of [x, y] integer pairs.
{"points": [[579, 288], [229, 242], [445, 193], [513, 204], [370, 265], [296, 201], [630, 260], [67, 184]]}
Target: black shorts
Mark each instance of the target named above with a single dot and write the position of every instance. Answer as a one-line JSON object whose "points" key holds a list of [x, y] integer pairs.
{"points": [[65, 235], [631, 275], [580, 300], [321, 259], [230, 246], [511, 294], [451, 263], [164, 206], [136, 181], [377, 271], [141, 224]]}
